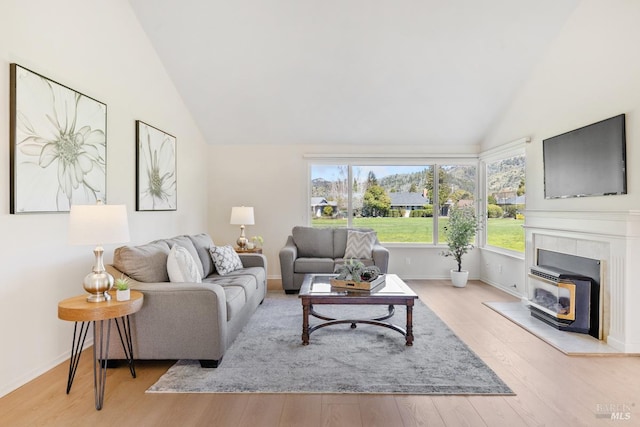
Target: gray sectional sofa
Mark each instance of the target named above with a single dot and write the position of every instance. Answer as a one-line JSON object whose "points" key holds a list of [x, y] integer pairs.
{"points": [[319, 250], [187, 320]]}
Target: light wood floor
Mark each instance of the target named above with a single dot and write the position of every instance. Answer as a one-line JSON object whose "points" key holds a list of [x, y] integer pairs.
{"points": [[552, 389]]}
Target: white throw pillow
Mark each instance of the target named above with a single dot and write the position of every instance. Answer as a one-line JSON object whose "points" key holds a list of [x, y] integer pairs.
{"points": [[225, 259], [182, 267], [359, 244]]}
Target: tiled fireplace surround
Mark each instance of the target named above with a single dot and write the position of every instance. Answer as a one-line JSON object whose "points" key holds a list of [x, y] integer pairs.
{"points": [[613, 238]]}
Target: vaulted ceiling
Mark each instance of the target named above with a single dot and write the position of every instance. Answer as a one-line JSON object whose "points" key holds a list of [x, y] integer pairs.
{"points": [[349, 71]]}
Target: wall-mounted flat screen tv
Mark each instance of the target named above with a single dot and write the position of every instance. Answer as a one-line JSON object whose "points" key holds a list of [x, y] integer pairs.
{"points": [[590, 161]]}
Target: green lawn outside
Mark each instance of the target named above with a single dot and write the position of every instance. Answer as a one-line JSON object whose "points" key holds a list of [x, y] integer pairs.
{"points": [[506, 233], [503, 232]]}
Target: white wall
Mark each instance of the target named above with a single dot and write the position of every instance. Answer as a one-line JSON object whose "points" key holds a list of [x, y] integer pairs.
{"points": [[590, 73], [274, 180], [97, 48]]}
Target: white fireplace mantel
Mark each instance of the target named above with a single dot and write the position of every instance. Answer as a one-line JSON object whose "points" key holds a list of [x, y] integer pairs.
{"points": [[612, 237]]}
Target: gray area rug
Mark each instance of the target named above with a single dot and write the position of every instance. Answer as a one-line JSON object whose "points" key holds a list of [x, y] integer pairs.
{"points": [[268, 357]]}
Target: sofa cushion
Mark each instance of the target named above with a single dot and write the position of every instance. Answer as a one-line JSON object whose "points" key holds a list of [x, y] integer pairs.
{"points": [[202, 242], [359, 244], [237, 278], [186, 243], [258, 273], [181, 266], [313, 242], [313, 265], [144, 263], [225, 259]]}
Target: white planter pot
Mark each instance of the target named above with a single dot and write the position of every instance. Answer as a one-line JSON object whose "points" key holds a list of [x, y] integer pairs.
{"points": [[123, 295], [459, 278]]}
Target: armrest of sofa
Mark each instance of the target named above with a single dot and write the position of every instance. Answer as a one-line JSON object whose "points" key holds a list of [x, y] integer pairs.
{"points": [[288, 255], [380, 256], [253, 260]]}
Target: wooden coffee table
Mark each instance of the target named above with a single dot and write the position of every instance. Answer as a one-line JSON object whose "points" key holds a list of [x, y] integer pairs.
{"points": [[316, 289]]}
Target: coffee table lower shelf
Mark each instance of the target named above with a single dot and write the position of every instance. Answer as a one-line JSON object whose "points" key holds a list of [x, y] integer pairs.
{"points": [[307, 330]]}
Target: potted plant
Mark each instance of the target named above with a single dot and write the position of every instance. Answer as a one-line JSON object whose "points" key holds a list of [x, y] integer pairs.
{"points": [[257, 241], [459, 234], [123, 293]]}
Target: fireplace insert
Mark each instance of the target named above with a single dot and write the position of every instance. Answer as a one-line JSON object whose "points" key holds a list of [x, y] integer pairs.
{"points": [[565, 299]]}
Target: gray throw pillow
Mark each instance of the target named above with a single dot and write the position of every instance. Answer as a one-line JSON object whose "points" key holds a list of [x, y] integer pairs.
{"points": [[225, 258], [360, 244]]}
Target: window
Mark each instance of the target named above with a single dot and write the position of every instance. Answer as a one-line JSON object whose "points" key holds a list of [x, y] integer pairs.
{"points": [[457, 187], [395, 200], [505, 179]]}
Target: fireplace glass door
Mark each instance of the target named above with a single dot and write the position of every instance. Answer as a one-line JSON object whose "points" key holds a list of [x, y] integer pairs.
{"points": [[555, 298]]}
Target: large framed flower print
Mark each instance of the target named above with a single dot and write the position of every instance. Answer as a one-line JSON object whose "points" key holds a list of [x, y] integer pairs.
{"points": [[58, 140], [156, 178]]}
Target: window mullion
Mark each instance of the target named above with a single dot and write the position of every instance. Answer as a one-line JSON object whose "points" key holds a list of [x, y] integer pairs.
{"points": [[436, 202], [350, 195]]}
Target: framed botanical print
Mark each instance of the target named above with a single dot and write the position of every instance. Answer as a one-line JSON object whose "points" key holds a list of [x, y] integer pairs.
{"points": [[156, 177], [58, 140]]}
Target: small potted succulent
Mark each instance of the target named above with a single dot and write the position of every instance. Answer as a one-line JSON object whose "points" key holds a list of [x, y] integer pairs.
{"points": [[123, 293], [257, 241]]}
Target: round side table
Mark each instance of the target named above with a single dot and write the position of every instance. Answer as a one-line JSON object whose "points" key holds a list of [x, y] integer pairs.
{"points": [[79, 310]]}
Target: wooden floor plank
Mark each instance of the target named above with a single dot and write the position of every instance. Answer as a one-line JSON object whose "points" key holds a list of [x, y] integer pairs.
{"points": [[496, 411], [341, 415], [263, 410], [458, 411], [379, 411], [302, 410], [418, 411]]}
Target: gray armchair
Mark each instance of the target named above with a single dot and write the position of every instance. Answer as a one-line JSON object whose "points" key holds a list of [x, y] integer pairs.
{"points": [[311, 250]]}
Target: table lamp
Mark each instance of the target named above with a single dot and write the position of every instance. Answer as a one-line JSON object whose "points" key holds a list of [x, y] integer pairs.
{"points": [[97, 225], [242, 215]]}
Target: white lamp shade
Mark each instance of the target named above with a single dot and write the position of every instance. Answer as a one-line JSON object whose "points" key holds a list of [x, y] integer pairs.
{"points": [[98, 224], [242, 215]]}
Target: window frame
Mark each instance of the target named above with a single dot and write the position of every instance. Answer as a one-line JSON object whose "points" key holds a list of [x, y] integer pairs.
{"points": [[392, 160], [502, 152]]}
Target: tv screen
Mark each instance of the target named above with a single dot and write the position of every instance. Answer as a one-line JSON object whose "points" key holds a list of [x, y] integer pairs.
{"points": [[590, 161]]}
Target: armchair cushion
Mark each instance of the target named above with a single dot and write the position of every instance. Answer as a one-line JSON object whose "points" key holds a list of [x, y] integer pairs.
{"points": [[359, 244], [225, 259], [313, 242]]}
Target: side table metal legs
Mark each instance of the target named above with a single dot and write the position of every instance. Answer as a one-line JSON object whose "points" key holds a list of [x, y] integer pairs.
{"points": [[127, 344], [76, 350], [100, 352], [100, 356]]}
